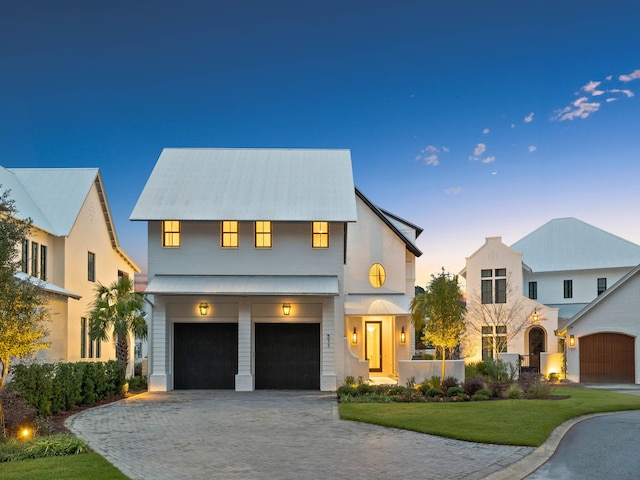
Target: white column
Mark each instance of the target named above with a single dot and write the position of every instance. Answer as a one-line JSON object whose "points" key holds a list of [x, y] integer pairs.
{"points": [[331, 316], [160, 352], [244, 378]]}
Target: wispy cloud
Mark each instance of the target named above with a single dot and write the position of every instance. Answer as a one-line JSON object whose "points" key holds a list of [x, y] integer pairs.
{"points": [[529, 118], [581, 108], [632, 76], [430, 155], [490, 159], [532, 148], [486, 131], [452, 190]]}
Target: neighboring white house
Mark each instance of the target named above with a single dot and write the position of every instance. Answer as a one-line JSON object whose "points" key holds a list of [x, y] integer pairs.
{"points": [[557, 271], [72, 246], [268, 269]]}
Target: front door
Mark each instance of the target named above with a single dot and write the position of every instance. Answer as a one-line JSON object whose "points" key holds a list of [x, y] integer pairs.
{"points": [[536, 345], [373, 345]]}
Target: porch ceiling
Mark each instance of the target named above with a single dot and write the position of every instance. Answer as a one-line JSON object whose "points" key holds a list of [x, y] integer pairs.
{"points": [[390, 304]]}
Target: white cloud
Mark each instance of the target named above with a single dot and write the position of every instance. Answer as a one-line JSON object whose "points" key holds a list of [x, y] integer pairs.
{"points": [[608, 77], [578, 109], [445, 149], [628, 93], [592, 88], [453, 190], [432, 160], [632, 76], [532, 148], [479, 150], [490, 159], [485, 131], [529, 118], [609, 100]]}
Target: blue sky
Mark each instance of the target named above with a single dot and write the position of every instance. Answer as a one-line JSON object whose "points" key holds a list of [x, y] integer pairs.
{"points": [[469, 118]]}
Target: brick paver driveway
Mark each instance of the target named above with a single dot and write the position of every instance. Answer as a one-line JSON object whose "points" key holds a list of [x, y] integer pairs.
{"points": [[231, 435]]}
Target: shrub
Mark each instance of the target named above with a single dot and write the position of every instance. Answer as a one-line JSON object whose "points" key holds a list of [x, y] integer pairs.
{"points": [[471, 370], [410, 396], [350, 380], [455, 391], [346, 390], [539, 391], [482, 394], [497, 388], [50, 446], [428, 356], [138, 382], [365, 389], [514, 392], [411, 382], [528, 379], [554, 377], [450, 382], [472, 385], [433, 392]]}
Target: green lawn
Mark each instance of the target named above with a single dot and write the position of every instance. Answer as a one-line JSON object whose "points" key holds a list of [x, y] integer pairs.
{"points": [[506, 422], [81, 467]]}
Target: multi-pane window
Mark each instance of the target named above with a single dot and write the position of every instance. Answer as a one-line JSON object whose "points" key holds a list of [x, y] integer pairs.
{"points": [[492, 283], [533, 290], [43, 262], [34, 259], [91, 266], [568, 289], [320, 236], [171, 233], [263, 234], [88, 348], [229, 234], [602, 285], [25, 256], [494, 339]]}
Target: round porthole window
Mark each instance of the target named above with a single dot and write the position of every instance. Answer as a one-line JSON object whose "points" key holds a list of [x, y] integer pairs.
{"points": [[377, 275]]}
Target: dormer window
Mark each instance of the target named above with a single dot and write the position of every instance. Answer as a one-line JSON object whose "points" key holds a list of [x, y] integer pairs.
{"points": [[320, 236], [229, 234], [171, 233]]}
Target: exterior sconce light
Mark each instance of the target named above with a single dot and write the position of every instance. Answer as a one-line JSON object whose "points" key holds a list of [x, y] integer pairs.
{"points": [[286, 309], [535, 317], [204, 308], [403, 336], [572, 341], [354, 336]]}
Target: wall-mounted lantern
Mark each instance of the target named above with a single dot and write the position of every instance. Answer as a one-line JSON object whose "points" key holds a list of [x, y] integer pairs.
{"points": [[286, 308], [204, 308], [354, 336], [403, 336], [572, 341], [535, 317]]}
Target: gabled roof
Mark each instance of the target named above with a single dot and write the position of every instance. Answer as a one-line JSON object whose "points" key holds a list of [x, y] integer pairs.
{"points": [[601, 298], [53, 197], [249, 184], [463, 272], [396, 224], [570, 244]]}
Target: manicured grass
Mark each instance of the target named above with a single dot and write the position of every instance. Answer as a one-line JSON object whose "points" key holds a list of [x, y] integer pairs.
{"points": [[84, 466], [504, 422]]}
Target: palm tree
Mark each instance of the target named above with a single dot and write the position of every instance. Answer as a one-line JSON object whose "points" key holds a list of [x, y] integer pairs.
{"points": [[117, 311]]}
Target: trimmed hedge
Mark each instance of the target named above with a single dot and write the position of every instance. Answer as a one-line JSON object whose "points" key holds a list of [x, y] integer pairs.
{"points": [[51, 388]]}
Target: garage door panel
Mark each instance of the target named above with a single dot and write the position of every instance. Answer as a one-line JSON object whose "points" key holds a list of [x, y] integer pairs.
{"points": [[287, 356], [205, 355], [607, 358]]}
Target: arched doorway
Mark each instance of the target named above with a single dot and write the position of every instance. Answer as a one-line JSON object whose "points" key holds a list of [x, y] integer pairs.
{"points": [[536, 345]]}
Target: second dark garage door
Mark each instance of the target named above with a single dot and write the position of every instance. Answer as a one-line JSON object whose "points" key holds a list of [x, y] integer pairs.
{"points": [[287, 356], [205, 355]]}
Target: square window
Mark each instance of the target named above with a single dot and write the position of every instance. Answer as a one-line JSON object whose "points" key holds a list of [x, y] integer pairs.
{"points": [[170, 233], [485, 273], [501, 272], [263, 235], [320, 235], [229, 234]]}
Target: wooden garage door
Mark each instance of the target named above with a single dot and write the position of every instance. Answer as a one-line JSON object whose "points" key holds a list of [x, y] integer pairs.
{"points": [[607, 358], [205, 355], [288, 356]]}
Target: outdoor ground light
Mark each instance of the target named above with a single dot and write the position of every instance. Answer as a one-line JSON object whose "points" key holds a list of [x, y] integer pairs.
{"points": [[204, 308], [25, 432], [572, 341], [403, 336], [286, 308], [354, 336]]}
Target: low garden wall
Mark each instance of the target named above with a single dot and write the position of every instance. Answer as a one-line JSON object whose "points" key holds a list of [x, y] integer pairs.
{"points": [[421, 370], [353, 365]]}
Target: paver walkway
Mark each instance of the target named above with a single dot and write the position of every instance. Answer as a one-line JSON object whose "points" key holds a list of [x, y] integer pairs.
{"points": [[270, 435]]}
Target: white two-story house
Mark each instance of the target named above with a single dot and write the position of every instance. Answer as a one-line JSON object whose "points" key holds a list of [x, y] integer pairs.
{"points": [[269, 270], [557, 270], [72, 245]]}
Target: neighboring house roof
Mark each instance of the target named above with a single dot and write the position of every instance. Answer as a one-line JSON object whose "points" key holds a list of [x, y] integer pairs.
{"points": [[374, 304], [53, 197], [406, 231], [244, 285], [600, 298], [249, 184], [463, 272], [48, 287], [570, 244]]}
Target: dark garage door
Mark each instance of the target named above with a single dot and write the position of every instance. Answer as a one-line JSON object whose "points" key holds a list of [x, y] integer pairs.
{"points": [[206, 355], [288, 356], [607, 358]]}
